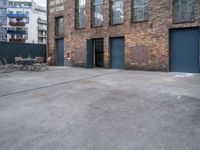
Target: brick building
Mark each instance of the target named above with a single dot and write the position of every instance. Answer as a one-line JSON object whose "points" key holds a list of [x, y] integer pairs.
{"points": [[125, 34]]}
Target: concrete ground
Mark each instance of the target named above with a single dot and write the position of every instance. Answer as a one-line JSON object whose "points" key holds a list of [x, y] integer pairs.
{"points": [[99, 109]]}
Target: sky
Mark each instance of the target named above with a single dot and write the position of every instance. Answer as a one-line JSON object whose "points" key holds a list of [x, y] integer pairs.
{"points": [[41, 2]]}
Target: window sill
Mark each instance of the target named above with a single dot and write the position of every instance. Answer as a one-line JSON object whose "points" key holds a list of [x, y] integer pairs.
{"points": [[182, 22], [59, 37], [142, 21], [79, 29], [96, 26], [118, 24]]}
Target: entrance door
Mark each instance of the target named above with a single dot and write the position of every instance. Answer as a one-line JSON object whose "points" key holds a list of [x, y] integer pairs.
{"points": [[184, 50], [117, 53], [98, 47], [60, 52], [95, 53]]}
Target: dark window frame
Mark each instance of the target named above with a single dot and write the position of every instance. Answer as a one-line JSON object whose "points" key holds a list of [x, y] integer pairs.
{"points": [[175, 21], [57, 34], [111, 14], [77, 8], [92, 15], [133, 13]]}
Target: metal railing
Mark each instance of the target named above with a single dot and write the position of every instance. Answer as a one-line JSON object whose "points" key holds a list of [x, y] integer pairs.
{"points": [[12, 40], [17, 23]]}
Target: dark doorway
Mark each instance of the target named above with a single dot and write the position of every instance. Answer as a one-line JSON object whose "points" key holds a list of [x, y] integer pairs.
{"points": [[95, 53], [117, 52], [184, 50], [60, 51], [98, 48]]}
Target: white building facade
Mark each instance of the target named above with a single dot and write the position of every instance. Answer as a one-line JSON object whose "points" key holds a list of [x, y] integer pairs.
{"points": [[3, 22], [26, 22]]}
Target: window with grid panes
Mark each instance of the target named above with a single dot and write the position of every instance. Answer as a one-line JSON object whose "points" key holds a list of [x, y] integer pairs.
{"points": [[80, 14], [184, 10], [97, 13], [117, 12], [59, 26], [140, 10]]}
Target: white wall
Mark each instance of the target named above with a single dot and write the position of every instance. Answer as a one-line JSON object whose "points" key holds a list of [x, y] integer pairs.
{"points": [[33, 24]]}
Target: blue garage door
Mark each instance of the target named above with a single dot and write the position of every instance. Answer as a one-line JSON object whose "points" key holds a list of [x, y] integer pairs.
{"points": [[117, 53], [60, 52], [184, 50]]}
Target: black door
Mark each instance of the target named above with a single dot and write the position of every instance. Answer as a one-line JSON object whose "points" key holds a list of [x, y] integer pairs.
{"points": [[117, 53], [95, 53], [60, 52], [184, 50], [99, 53]]}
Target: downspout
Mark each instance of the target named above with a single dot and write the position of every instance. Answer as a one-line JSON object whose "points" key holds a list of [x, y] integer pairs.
{"points": [[47, 45]]}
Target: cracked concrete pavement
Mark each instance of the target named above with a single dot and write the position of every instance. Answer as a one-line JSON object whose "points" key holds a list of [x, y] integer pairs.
{"points": [[99, 109]]}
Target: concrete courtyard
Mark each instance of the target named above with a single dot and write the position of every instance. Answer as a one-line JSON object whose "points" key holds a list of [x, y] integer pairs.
{"points": [[99, 109]]}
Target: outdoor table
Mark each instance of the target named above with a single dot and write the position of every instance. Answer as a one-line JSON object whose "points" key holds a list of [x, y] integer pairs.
{"points": [[27, 63]]}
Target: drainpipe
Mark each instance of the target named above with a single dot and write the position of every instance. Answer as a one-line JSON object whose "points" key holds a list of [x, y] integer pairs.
{"points": [[47, 45]]}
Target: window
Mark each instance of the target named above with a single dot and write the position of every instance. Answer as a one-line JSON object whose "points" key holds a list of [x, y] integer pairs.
{"points": [[3, 13], [27, 4], [97, 13], [80, 13], [19, 12], [59, 2], [117, 11], [19, 4], [60, 8], [140, 10], [52, 3], [27, 13], [10, 3], [2, 3], [10, 12], [59, 26], [184, 10], [52, 10]]}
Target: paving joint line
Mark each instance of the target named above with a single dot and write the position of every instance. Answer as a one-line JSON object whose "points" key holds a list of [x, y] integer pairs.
{"points": [[58, 84]]}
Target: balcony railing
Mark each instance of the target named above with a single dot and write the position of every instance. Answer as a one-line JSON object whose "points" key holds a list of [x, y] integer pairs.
{"points": [[42, 21], [17, 40], [41, 42], [26, 7], [42, 28], [11, 31], [17, 23], [17, 15], [42, 35]]}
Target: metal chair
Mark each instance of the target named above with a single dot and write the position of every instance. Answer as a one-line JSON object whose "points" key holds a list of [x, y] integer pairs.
{"points": [[39, 60], [2, 66], [46, 65], [10, 67], [18, 62], [5, 68], [38, 65]]}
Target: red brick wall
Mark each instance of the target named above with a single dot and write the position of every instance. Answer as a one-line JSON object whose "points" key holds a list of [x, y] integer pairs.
{"points": [[146, 43]]}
